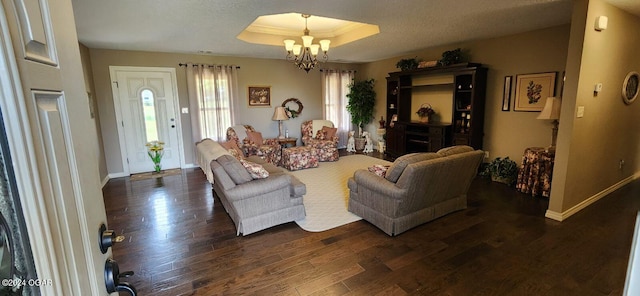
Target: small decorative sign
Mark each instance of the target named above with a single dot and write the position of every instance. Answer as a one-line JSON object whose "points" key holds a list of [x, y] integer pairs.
{"points": [[259, 96]]}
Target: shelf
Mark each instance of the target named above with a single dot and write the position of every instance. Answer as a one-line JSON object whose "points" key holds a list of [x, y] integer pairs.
{"points": [[463, 90]]}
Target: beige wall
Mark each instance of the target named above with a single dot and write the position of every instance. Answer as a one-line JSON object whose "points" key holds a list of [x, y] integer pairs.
{"points": [[285, 79], [590, 148], [506, 133], [89, 86]]}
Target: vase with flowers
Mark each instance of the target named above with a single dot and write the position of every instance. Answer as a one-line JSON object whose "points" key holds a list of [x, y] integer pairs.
{"points": [[155, 149], [425, 112]]}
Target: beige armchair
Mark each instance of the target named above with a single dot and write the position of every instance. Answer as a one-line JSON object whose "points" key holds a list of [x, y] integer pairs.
{"points": [[326, 148], [268, 149]]}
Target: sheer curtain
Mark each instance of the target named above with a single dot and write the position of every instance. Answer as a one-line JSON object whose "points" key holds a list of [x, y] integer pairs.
{"points": [[212, 91], [334, 91]]}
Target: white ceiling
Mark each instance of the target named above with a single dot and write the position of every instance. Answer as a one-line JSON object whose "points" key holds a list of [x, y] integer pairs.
{"points": [[190, 26]]}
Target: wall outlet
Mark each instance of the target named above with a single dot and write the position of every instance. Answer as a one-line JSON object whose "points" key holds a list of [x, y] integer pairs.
{"points": [[621, 164], [486, 154]]}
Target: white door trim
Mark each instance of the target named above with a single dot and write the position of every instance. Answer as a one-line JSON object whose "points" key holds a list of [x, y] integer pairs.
{"points": [[119, 120]]}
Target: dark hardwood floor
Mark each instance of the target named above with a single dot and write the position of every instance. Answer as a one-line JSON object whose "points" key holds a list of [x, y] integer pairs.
{"points": [[180, 241]]}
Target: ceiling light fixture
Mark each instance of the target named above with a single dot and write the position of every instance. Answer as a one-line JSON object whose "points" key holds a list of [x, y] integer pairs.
{"points": [[304, 55]]}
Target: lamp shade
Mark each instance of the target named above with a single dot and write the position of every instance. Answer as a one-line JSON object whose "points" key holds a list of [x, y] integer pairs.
{"points": [[551, 109], [280, 114]]}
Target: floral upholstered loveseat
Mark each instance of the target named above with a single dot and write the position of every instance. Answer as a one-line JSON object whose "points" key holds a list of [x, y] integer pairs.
{"points": [[267, 149], [314, 134]]}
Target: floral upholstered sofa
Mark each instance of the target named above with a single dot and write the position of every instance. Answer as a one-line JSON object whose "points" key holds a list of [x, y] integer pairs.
{"points": [[252, 143], [321, 134]]}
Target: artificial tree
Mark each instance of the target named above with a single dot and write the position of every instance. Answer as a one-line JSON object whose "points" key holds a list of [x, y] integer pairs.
{"points": [[362, 100]]}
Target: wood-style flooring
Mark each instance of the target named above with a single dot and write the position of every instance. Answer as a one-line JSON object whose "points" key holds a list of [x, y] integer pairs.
{"points": [[180, 241]]}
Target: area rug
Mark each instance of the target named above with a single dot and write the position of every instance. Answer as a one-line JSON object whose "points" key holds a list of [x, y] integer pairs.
{"points": [[327, 193], [153, 175]]}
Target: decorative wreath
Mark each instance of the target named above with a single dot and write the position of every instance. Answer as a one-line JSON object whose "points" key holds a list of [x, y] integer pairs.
{"points": [[290, 112]]}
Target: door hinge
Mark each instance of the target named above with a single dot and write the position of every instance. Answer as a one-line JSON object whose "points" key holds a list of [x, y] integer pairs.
{"points": [[127, 160], [116, 84], [122, 122]]}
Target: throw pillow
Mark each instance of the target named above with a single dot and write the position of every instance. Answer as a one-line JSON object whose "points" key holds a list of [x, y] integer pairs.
{"points": [[255, 137], [235, 154], [234, 169], [378, 169], [320, 135], [255, 170], [329, 132], [233, 145]]}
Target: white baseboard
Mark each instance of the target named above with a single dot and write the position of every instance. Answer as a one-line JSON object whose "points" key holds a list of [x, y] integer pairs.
{"points": [[117, 175], [190, 166], [105, 180], [568, 213]]}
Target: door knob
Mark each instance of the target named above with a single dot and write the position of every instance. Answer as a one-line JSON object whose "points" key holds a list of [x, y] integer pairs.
{"points": [[108, 238], [112, 278], [173, 126]]}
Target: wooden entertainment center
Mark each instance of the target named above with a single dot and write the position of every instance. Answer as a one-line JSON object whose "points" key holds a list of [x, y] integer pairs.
{"points": [[456, 92]]}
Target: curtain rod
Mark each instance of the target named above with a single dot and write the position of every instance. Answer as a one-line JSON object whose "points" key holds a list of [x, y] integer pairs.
{"points": [[322, 70], [184, 65]]}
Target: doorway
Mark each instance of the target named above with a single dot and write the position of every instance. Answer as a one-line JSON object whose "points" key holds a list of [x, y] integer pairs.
{"points": [[146, 104]]}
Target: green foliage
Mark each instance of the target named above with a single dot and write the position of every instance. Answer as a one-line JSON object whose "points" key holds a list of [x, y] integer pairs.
{"points": [[407, 64], [362, 99], [502, 168], [451, 57]]}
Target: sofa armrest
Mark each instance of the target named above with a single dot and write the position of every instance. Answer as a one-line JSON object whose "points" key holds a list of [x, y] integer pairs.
{"points": [[258, 187], [369, 181]]}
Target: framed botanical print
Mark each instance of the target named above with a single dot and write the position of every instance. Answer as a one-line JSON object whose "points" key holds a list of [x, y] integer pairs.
{"points": [[532, 91], [259, 96]]}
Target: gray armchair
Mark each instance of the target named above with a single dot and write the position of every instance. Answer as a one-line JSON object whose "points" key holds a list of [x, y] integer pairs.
{"points": [[417, 188]]}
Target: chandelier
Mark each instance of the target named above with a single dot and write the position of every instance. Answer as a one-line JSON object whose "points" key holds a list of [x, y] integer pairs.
{"points": [[304, 55]]}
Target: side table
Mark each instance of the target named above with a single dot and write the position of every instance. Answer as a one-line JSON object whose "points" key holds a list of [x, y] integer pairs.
{"points": [[288, 142], [536, 172]]}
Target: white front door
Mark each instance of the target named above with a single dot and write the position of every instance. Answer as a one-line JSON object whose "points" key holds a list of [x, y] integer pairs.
{"points": [[146, 102], [51, 137]]}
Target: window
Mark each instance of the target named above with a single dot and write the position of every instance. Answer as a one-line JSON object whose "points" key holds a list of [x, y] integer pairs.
{"points": [[335, 87], [212, 90], [149, 112]]}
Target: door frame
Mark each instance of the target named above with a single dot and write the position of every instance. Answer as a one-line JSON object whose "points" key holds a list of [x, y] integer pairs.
{"points": [[118, 111]]}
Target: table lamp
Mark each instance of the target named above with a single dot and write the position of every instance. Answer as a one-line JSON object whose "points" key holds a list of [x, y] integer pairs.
{"points": [[551, 111], [280, 114]]}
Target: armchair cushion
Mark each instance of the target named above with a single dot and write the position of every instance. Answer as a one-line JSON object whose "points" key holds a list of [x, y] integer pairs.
{"points": [[329, 132], [255, 137]]}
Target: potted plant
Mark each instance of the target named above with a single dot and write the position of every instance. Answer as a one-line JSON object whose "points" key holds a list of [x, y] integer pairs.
{"points": [[451, 57], [362, 99], [503, 170], [407, 64], [425, 112]]}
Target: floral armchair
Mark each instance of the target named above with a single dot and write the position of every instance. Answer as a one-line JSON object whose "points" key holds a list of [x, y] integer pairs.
{"points": [[269, 149], [314, 134]]}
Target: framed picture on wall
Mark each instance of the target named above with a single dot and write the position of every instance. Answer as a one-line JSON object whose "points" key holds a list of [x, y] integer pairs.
{"points": [[259, 96], [532, 91], [506, 93]]}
